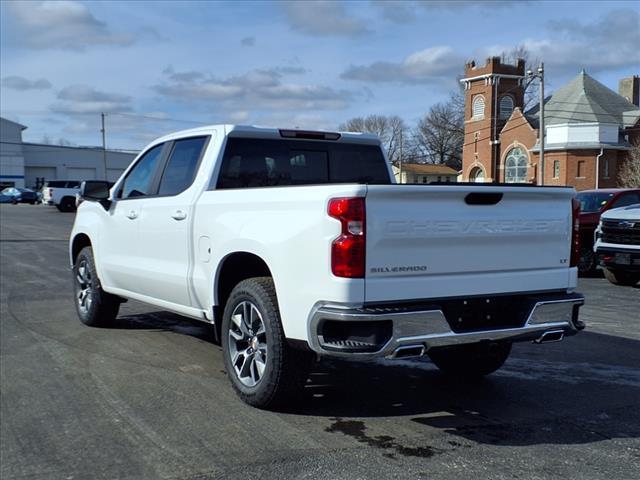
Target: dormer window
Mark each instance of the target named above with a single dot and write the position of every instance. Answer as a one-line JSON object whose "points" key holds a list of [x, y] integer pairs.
{"points": [[506, 107], [478, 107]]}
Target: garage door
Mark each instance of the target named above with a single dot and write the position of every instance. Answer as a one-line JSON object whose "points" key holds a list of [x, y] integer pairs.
{"points": [[31, 174], [81, 174]]}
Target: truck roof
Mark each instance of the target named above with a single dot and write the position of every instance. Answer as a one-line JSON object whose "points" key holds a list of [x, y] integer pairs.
{"points": [[254, 131]]}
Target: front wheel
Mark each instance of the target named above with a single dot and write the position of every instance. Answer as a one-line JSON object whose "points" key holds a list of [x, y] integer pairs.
{"points": [[587, 263], [473, 360], [264, 370], [618, 277], [95, 307]]}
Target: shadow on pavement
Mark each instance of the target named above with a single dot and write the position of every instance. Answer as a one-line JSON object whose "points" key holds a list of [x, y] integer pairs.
{"points": [[582, 390]]}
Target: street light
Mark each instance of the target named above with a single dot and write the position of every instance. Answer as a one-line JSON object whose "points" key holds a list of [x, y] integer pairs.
{"points": [[540, 76]]}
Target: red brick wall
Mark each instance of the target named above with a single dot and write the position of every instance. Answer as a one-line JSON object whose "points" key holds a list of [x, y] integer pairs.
{"points": [[517, 132], [483, 152]]}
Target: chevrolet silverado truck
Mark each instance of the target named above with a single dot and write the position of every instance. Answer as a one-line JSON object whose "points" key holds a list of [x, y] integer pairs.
{"points": [[298, 245], [617, 245], [61, 194]]}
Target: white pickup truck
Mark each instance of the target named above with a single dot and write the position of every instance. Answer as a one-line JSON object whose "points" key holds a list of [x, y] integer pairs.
{"points": [[298, 244], [617, 245], [61, 194]]}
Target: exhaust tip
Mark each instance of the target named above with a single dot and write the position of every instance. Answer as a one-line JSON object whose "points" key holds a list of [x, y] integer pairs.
{"points": [[408, 351], [551, 336]]}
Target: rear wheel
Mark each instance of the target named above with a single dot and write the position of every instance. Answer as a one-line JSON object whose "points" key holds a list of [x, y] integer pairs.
{"points": [[473, 360], [95, 307], [618, 277], [264, 370], [67, 204]]}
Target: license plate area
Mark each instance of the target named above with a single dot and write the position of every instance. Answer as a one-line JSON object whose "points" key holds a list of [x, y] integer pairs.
{"points": [[622, 258]]}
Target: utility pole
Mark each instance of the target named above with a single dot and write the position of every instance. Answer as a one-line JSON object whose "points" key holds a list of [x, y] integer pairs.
{"points": [[541, 77], [400, 176], [104, 145]]}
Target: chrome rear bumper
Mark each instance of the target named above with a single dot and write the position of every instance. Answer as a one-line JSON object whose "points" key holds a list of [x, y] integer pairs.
{"points": [[547, 320]]}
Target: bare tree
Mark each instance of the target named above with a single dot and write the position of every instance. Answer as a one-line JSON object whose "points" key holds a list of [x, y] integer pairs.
{"points": [[391, 130], [629, 174], [531, 95], [439, 135]]}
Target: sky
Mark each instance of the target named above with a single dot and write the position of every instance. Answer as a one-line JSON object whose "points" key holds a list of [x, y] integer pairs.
{"points": [[158, 67]]}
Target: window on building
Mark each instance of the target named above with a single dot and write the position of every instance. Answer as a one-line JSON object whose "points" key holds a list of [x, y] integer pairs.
{"points": [[580, 169], [506, 107], [476, 175], [439, 178], [478, 106], [516, 166], [606, 168], [556, 169], [424, 179]]}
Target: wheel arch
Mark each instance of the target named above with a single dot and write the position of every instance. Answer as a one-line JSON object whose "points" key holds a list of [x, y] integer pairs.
{"points": [[80, 241], [234, 268]]}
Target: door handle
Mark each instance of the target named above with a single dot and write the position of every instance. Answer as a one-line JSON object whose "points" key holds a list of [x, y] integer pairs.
{"points": [[132, 215], [179, 215]]}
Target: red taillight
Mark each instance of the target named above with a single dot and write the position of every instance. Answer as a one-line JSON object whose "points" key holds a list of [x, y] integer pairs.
{"points": [[575, 233], [348, 250]]}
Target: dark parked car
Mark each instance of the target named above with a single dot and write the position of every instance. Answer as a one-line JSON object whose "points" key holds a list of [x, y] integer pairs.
{"points": [[594, 203], [18, 195]]}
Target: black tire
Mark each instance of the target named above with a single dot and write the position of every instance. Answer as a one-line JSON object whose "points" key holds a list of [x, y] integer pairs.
{"points": [[473, 360], [285, 369], [587, 263], [618, 277], [67, 204], [99, 308], [14, 201]]}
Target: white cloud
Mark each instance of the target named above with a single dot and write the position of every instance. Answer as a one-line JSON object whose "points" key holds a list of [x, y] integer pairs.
{"points": [[20, 83], [256, 89], [85, 99], [610, 42], [424, 66], [248, 41], [63, 24], [322, 18]]}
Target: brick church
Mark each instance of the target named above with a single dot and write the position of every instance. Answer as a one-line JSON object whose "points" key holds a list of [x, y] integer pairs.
{"points": [[586, 124]]}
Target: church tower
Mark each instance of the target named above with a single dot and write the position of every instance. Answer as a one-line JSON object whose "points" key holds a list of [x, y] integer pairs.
{"points": [[491, 92]]}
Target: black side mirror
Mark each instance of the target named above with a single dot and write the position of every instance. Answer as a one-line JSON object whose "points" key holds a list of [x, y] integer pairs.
{"points": [[96, 191]]}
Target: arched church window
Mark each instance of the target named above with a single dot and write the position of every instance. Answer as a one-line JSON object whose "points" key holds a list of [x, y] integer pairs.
{"points": [[506, 107], [515, 169], [478, 106], [476, 175]]}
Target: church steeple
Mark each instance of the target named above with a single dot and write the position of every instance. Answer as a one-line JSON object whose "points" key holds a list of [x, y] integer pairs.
{"points": [[492, 92]]}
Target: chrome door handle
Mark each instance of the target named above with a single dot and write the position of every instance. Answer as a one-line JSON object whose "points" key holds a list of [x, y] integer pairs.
{"points": [[179, 215], [132, 215]]}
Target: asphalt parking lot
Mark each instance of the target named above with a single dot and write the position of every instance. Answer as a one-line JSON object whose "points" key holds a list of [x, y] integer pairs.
{"points": [[150, 399]]}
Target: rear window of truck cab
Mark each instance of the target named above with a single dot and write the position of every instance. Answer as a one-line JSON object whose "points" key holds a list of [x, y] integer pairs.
{"points": [[253, 162]]}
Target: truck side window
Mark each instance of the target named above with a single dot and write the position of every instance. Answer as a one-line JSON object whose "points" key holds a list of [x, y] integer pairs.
{"points": [[181, 167], [139, 180]]}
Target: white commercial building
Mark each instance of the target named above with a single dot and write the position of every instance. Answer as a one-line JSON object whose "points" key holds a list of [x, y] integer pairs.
{"points": [[29, 164]]}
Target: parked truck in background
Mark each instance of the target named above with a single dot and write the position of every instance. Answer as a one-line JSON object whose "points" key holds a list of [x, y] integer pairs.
{"points": [[617, 245], [61, 194], [298, 244], [594, 203]]}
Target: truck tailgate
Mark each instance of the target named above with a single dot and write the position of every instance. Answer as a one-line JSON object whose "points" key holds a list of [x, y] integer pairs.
{"points": [[444, 241]]}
